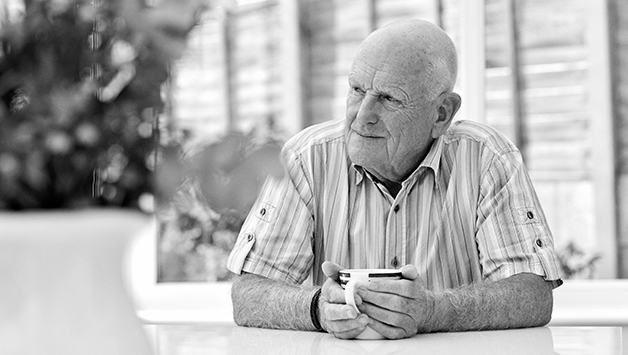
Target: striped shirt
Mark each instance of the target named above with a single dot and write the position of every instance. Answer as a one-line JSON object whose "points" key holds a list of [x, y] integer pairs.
{"points": [[468, 213]]}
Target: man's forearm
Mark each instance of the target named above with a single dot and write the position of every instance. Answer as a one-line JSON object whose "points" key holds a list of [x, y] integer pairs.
{"points": [[519, 301], [260, 302]]}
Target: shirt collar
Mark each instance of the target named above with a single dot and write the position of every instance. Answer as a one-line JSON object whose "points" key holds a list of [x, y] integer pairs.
{"points": [[431, 161], [433, 157], [359, 173]]}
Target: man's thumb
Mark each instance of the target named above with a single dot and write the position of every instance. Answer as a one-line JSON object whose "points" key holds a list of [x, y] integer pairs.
{"points": [[331, 269], [409, 272]]}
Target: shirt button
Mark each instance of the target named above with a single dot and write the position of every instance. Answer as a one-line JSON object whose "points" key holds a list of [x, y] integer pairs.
{"points": [[262, 211], [249, 237], [396, 208], [530, 215], [539, 242], [395, 262]]}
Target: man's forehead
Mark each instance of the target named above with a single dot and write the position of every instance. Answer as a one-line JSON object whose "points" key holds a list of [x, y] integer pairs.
{"points": [[365, 73], [384, 68]]}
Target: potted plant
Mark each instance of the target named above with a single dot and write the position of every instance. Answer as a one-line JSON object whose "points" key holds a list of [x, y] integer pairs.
{"points": [[80, 98]]}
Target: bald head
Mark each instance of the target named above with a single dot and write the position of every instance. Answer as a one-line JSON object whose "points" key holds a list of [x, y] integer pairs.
{"points": [[418, 48]]}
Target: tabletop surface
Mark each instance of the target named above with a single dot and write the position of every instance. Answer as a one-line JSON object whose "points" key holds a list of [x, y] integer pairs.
{"points": [[227, 338]]}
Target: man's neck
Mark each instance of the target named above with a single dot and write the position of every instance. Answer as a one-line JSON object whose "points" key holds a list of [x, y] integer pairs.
{"points": [[393, 187]]}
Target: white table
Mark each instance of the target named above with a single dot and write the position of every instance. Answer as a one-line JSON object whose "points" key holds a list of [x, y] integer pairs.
{"points": [[227, 338]]}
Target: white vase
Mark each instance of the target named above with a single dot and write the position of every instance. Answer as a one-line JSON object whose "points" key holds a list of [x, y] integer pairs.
{"points": [[61, 283]]}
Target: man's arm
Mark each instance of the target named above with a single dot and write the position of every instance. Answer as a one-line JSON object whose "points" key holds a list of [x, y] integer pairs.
{"points": [[264, 303], [523, 300], [519, 301]]}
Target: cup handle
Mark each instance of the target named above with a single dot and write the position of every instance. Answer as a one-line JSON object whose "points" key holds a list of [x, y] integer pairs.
{"points": [[350, 294]]}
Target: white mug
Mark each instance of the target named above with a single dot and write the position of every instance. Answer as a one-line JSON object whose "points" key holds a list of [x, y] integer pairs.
{"points": [[348, 280]]}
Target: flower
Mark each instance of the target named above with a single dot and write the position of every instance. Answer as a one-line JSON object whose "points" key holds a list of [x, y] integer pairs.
{"points": [[80, 96]]}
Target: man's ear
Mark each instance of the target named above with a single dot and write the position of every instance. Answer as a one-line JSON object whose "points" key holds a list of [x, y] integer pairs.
{"points": [[448, 105]]}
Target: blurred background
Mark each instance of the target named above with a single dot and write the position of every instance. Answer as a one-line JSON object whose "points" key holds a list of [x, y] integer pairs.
{"points": [[550, 74]]}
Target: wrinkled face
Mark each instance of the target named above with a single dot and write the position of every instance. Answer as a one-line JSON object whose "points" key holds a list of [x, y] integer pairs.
{"points": [[390, 115]]}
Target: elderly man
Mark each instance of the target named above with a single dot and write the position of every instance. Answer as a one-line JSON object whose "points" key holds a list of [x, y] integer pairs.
{"points": [[397, 183]]}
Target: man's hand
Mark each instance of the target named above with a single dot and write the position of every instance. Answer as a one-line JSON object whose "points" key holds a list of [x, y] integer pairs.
{"points": [[402, 308], [399, 308], [395, 309], [336, 316]]}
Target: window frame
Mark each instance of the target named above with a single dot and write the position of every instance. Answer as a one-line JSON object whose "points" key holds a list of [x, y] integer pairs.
{"points": [[170, 302], [603, 139]]}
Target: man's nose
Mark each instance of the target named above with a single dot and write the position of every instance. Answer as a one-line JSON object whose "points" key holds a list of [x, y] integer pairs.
{"points": [[368, 111]]}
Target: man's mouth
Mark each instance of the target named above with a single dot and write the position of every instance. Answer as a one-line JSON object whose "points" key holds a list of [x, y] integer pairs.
{"points": [[367, 135]]}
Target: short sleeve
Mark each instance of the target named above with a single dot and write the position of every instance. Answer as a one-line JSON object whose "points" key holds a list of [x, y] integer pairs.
{"points": [[512, 233], [275, 240]]}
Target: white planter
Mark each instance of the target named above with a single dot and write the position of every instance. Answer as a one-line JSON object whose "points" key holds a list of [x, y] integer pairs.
{"points": [[61, 283]]}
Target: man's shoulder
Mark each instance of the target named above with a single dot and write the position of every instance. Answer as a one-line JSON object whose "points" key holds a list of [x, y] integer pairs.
{"points": [[317, 136], [487, 136]]}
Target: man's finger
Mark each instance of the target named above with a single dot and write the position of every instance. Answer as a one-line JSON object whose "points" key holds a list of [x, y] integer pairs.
{"points": [[343, 321], [388, 331], [380, 292], [334, 293], [331, 270], [409, 272], [335, 312], [350, 334], [404, 288], [389, 302]]}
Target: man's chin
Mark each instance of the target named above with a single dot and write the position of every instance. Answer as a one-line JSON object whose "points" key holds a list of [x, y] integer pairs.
{"points": [[363, 158], [364, 154]]}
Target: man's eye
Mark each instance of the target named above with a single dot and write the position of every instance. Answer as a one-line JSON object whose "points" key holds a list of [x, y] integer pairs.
{"points": [[358, 90], [389, 98]]}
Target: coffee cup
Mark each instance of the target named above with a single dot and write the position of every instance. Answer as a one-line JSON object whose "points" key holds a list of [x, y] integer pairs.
{"points": [[349, 278]]}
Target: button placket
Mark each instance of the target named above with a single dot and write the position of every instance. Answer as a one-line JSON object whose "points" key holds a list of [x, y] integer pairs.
{"points": [[394, 234]]}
